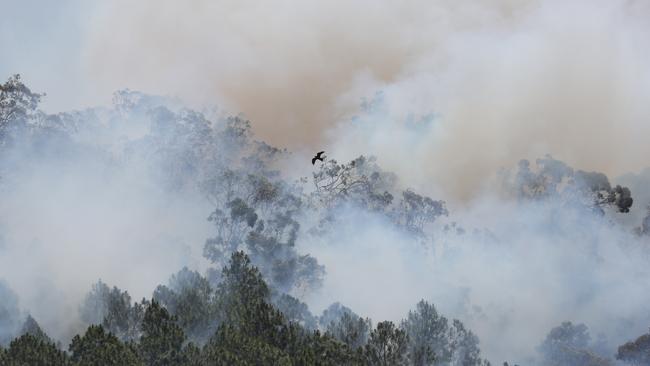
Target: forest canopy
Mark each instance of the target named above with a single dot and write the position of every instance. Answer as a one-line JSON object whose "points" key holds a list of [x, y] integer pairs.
{"points": [[246, 304]]}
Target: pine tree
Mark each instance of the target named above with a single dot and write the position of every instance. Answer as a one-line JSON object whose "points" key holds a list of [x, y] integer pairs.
{"points": [[162, 339], [387, 346], [30, 350], [99, 348]]}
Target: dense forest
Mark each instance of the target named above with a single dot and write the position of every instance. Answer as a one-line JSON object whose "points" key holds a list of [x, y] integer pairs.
{"points": [[246, 304]]}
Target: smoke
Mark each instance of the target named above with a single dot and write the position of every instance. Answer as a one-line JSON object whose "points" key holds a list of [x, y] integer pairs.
{"points": [[506, 79], [451, 92], [513, 271], [72, 214]]}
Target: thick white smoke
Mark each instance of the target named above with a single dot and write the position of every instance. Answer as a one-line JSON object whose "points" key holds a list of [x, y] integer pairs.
{"points": [[517, 270], [72, 218]]}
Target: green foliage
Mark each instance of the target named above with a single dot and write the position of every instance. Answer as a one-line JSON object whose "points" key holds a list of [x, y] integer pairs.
{"points": [[432, 340], [317, 349], [428, 334], [192, 355], [294, 310], [349, 328], [30, 350], [387, 345], [191, 299], [242, 285], [244, 302], [242, 313], [233, 347], [113, 309], [99, 348], [257, 214], [162, 339], [253, 331]]}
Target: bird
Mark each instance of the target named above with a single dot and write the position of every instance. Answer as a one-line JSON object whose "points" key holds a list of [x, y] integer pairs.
{"points": [[318, 156]]}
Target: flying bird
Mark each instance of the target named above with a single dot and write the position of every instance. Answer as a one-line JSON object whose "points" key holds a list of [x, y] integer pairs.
{"points": [[318, 156]]}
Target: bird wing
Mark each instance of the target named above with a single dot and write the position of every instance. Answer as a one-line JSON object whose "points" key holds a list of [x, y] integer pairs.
{"points": [[313, 161], [320, 153]]}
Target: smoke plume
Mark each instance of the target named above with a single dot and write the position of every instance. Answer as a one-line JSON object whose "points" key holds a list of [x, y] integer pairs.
{"points": [[446, 94]]}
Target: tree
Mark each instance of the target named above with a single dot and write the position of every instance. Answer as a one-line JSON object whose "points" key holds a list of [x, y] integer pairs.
{"points": [[251, 330], [351, 330], [433, 341], [232, 347], [232, 227], [244, 303], [192, 355], [99, 348], [278, 260], [294, 310], [387, 345], [635, 352], [569, 345], [360, 181], [344, 325], [30, 350], [9, 314], [554, 179], [464, 345], [242, 286], [31, 327], [257, 215], [17, 104], [364, 184], [113, 309], [162, 339], [428, 334], [190, 298], [322, 349], [415, 211]]}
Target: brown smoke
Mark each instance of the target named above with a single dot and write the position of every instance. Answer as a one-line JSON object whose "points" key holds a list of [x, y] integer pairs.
{"points": [[507, 79]]}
